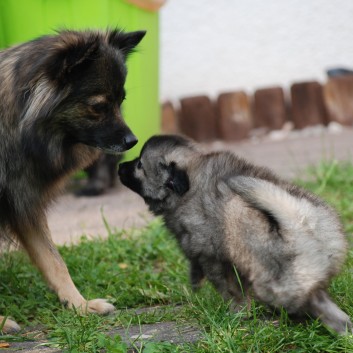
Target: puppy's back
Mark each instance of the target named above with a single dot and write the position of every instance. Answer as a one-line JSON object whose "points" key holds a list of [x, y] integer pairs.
{"points": [[300, 254]]}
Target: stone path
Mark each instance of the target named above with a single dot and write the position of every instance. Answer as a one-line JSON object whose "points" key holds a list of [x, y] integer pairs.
{"points": [[135, 336]]}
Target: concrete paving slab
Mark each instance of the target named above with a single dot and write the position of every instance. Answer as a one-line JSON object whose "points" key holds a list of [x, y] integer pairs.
{"points": [[134, 336]]}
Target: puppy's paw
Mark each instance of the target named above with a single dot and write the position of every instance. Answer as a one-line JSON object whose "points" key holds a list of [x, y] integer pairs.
{"points": [[196, 286], [9, 326], [99, 306], [236, 307]]}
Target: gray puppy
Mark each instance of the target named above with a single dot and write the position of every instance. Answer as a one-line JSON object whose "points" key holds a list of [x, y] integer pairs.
{"points": [[233, 219]]}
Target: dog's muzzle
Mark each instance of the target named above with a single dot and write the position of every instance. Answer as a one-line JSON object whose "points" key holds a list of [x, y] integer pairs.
{"points": [[128, 141]]}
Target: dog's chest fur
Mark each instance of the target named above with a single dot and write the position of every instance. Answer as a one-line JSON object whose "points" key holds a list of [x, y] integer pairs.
{"points": [[200, 230]]}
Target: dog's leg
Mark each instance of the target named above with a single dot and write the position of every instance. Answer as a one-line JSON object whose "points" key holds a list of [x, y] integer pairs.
{"points": [[101, 174], [42, 251], [196, 274], [222, 276]]}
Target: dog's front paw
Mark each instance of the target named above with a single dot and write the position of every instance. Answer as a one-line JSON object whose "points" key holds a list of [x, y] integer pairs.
{"points": [[9, 326], [83, 306], [99, 306]]}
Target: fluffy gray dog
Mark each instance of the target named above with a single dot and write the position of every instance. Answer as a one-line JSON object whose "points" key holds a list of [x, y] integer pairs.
{"points": [[284, 242]]}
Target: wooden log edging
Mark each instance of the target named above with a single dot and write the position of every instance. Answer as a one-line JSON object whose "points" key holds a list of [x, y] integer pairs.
{"points": [[232, 115]]}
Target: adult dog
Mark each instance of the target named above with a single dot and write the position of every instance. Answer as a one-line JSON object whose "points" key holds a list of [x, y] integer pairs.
{"points": [[60, 100], [238, 222]]}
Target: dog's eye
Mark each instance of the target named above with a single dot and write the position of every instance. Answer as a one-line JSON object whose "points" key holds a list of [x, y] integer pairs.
{"points": [[99, 108], [139, 164]]}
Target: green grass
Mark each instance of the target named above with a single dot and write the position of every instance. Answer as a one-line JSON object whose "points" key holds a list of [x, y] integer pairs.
{"points": [[139, 268]]}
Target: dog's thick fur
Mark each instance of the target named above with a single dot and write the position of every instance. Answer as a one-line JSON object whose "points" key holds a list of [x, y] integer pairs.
{"points": [[284, 242], [60, 100]]}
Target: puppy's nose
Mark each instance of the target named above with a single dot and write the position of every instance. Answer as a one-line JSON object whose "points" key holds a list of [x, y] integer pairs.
{"points": [[130, 141]]}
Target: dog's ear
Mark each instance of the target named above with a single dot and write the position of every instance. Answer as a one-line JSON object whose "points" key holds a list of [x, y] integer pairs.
{"points": [[178, 180], [70, 53], [125, 41]]}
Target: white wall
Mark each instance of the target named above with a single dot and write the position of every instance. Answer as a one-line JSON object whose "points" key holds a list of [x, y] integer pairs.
{"points": [[212, 46]]}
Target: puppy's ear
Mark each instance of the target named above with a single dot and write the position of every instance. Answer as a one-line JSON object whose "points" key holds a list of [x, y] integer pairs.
{"points": [[178, 180], [125, 41], [70, 53]]}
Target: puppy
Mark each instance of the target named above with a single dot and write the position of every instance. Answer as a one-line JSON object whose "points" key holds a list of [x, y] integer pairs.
{"points": [[242, 227], [60, 99]]}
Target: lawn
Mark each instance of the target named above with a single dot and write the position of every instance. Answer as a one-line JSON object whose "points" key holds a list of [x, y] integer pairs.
{"points": [[144, 268]]}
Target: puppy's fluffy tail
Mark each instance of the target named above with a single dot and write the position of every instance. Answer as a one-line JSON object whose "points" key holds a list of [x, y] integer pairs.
{"points": [[321, 306], [291, 213]]}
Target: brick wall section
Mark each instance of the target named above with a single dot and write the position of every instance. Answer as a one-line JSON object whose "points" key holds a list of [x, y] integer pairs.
{"points": [[307, 103], [230, 117], [338, 94], [198, 118], [270, 108], [234, 116]]}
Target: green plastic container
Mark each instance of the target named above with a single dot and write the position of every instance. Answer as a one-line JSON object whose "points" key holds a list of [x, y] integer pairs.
{"points": [[22, 20]]}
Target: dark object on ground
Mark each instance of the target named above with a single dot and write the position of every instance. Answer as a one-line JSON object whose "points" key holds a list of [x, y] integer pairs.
{"points": [[101, 175], [338, 72]]}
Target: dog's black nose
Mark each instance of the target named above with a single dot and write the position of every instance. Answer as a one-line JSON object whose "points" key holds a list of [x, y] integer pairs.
{"points": [[130, 141]]}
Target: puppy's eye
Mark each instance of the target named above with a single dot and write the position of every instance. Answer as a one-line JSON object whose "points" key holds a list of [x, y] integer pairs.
{"points": [[139, 164], [162, 166]]}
